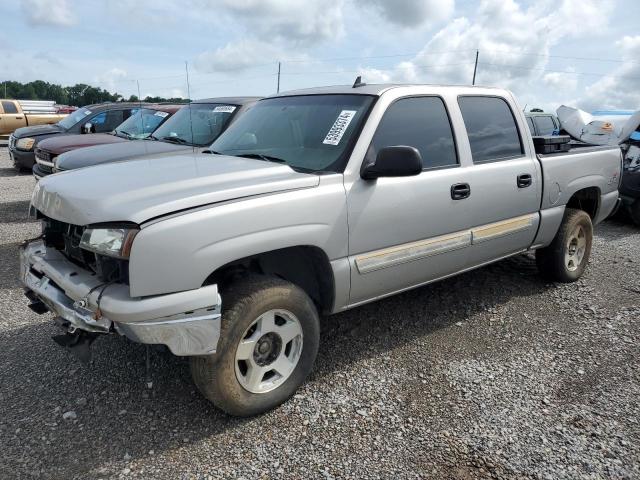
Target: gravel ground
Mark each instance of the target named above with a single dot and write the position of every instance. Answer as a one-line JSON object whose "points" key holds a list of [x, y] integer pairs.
{"points": [[492, 374]]}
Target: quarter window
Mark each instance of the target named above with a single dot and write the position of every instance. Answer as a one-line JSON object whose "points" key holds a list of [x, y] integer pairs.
{"points": [[491, 128], [420, 122]]}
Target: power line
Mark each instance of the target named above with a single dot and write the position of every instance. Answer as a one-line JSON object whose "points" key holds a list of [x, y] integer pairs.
{"points": [[570, 72]]}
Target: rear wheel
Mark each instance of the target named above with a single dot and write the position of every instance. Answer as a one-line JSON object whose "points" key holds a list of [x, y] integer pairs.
{"points": [[568, 255], [268, 343]]}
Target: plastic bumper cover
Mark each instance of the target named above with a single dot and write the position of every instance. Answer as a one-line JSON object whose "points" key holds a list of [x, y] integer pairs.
{"points": [[187, 322]]}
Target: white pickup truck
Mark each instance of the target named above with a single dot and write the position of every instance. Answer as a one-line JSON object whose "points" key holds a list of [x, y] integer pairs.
{"points": [[313, 202]]}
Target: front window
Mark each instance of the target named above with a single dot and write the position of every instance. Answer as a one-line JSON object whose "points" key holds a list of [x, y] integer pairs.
{"points": [[76, 117], [196, 124], [309, 132], [141, 124]]}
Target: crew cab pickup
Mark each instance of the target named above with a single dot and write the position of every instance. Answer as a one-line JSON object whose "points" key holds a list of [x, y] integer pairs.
{"points": [[313, 202], [16, 114]]}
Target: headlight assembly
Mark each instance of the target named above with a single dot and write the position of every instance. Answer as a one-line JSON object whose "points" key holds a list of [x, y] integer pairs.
{"points": [[25, 143], [113, 242]]}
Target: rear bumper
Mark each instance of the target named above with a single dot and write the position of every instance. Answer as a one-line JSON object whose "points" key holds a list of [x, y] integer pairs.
{"points": [[186, 322]]}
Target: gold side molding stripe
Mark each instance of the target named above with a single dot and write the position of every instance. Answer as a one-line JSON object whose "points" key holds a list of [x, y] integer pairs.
{"points": [[499, 229], [409, 252], [412, 251]]}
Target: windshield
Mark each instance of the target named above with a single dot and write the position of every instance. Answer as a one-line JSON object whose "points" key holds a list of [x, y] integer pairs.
{"points": [[309, 132], [141, 124], [205, 120], [77, 116]]}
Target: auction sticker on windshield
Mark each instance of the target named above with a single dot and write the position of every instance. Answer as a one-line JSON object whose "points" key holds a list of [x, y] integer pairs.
{"points": [[224, 109], [339, 127], [161, 114]]}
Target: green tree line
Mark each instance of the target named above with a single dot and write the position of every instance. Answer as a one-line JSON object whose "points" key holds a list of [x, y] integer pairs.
{"points": [[78, 95]]}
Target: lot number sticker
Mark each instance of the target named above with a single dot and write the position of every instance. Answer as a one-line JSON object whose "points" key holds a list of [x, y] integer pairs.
{"points": [[339, 127], [224, 109], [161, 114]]}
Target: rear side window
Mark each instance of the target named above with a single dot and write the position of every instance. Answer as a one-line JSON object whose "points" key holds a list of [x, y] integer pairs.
{"points": [[420, 122], [9, 107], [491, 128], [544, 125]]}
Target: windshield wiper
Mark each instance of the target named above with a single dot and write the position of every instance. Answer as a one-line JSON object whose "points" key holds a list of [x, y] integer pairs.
{"points": [[261, 156], [150, 137], [174, 139], [124, 133]]}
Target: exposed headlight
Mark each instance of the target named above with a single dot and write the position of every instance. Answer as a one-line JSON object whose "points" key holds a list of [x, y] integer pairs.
{"points": [[113, 242], [25, 143]]}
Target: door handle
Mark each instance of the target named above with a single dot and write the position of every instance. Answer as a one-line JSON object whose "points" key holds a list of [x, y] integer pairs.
{"points": [[524, 180], [460, 191], [18, 118]]}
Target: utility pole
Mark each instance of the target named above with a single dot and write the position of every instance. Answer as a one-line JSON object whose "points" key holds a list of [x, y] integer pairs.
{"points": [[475, 68], [278, 88]]}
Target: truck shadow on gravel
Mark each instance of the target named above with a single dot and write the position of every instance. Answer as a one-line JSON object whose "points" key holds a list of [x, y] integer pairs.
{"points": [[117, 415], [13, 172]]}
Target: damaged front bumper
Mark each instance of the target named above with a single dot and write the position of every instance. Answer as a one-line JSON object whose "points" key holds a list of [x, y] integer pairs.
{"points": [[187, 322]]}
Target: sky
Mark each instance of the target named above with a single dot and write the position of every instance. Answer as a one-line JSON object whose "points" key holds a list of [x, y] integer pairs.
{"points": [[582, 53]]}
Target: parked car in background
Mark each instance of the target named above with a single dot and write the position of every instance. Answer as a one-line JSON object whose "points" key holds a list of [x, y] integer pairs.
{"points": [[16, 114], [196, 125], [542, 124], [314, 201], [99, 118], [138, 126]]}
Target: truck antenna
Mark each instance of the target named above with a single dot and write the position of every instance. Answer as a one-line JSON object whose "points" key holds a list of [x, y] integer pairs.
{"points": [[358, 82], [186, 68]]}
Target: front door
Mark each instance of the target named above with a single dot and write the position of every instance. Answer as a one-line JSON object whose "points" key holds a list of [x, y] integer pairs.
{"points": [[410, 230]]}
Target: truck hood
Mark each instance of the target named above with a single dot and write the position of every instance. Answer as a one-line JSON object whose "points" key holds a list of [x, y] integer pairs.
{"points": [[140, 190], [63, 143], [115, 152], [37, 130]]}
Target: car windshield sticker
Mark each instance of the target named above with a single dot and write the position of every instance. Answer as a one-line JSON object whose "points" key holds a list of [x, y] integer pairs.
{"points": [[339, 127], [224, 109], [87, 112], [161, 114]]}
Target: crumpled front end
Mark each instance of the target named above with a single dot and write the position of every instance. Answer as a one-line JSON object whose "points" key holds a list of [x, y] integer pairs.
{"points": [[188, 322]]}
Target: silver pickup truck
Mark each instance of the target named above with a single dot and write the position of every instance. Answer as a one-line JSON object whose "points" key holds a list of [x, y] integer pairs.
{"points": [[313, 202]]}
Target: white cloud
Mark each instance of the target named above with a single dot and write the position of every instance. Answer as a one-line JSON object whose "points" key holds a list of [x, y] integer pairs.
{"points": [[621, 89], [48, 12], [514, 43], [412, 13], [236, 56], [567, 82], [112, 79]]}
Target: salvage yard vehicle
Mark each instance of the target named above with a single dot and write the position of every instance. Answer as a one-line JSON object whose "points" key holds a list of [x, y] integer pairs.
{"points": [[16, 114], [194, 126], [138, 126], [99, 118], [313, 202]]}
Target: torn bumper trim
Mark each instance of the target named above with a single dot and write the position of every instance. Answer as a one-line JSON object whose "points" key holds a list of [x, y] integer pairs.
{"points": [[187, 322]]}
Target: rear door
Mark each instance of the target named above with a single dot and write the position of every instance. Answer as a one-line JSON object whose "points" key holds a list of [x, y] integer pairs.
{"points": [[505, 185], [11, 118]]}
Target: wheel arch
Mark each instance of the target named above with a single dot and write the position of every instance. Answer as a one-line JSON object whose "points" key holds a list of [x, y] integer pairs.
{"points": [[306, 266], [586, 199]]}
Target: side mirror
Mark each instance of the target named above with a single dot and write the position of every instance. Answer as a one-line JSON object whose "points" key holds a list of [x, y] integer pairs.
{"points": [[397, 161], [87, 128]]}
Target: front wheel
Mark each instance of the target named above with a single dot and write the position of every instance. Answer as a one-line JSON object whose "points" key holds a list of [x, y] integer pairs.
{"points": [[268, 343], [568, 255]]}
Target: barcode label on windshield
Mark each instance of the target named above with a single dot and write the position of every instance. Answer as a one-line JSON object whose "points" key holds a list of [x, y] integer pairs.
{"points": [[161, 114], [224, 109], [339, 127]]}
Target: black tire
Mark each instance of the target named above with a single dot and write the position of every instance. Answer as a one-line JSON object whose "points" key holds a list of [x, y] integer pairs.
{"points": [[242, 303], [634, 212], [551, 260]]}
